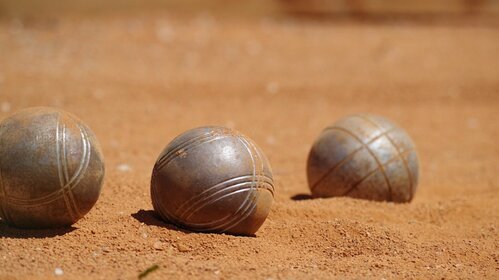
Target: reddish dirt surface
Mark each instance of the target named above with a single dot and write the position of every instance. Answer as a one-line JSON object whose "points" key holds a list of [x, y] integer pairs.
{"points": [[138, 80]]}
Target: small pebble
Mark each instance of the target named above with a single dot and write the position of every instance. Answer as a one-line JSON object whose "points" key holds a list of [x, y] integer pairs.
{"points": [[158, 246], [58, 271], [124, 167], [183, 248]]}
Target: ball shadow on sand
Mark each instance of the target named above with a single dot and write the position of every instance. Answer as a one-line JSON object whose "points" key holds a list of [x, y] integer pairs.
{"points": [[7, 231], [302, 196], [150, 218]]}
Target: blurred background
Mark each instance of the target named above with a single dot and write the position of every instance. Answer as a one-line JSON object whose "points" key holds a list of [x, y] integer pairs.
{"points": [[140, 72], [339, 7]]}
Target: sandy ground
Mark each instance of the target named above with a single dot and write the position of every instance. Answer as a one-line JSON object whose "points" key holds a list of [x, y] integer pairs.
{"points": [[139, 80]]}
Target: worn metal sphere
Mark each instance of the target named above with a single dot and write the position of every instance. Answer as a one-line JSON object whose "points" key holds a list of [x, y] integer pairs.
{"points": [[213, 179], [51, 169], [363, 156]]}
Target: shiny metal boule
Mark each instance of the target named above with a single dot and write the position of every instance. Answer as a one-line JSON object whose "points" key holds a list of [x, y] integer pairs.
{"points": [[364, 156], [51, 168], [213, 179]]}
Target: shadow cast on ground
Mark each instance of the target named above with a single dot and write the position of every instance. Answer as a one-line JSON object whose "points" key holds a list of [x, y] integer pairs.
{"points": [[150, 218], [7, 231], [301, 196]]}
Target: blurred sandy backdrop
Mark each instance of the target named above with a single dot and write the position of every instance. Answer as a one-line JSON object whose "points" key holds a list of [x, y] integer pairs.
{"points": [[404, 7], [140, 75]]}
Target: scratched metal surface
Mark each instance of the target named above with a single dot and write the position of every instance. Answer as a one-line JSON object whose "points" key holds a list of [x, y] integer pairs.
{"points": [[51, 168]]}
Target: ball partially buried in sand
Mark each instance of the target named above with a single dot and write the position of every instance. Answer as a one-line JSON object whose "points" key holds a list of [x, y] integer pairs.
{"points": [[213, 179], [51, 169], [363, 156]]}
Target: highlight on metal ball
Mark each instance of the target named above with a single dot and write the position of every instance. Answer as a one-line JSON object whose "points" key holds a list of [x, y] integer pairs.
{"points": [[51, 168], [213, 179], [363, 156]]}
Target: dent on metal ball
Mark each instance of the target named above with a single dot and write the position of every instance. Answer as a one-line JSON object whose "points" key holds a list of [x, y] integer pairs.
{"points": [[213, 179], [363, 156], [51, 169]]}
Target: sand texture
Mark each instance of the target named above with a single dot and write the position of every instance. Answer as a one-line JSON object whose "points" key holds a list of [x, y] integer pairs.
{"points": [[138, 80]]}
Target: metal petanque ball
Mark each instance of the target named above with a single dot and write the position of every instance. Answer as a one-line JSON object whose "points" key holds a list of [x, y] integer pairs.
{"points": [[363, 156], [51, 169], [213, 179]]}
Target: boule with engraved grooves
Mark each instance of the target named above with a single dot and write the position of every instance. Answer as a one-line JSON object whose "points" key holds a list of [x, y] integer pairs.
{"points": [[51, 168], [363, 156], [213, 179]]}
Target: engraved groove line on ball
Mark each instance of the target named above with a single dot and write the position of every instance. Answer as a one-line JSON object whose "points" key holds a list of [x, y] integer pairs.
{"points": [[260, 155], [65, 167], [73, 182], [84, 162], [185, 147], [236, 217], [370, 173], [230, 220], [338, 165], [173, 153], [58, 143], [180, 146], [173, 150], [373, 156], [263, 171], [229, 191], [348, 157], [213, 224], [189, 204], [170, 155], [253, 193], [397, 148]]}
